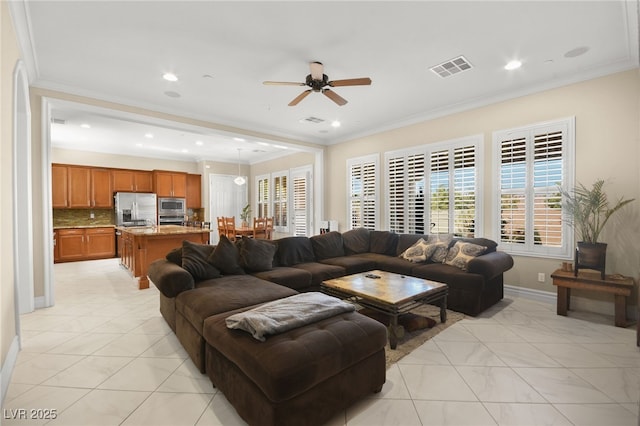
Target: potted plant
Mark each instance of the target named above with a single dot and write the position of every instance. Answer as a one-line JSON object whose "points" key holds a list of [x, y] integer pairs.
{"points": [[245, 215], [589, 211]]}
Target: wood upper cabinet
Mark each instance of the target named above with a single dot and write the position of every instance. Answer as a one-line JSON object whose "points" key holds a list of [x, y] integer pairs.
{"points": [[79, 186], [101, 188], [170, 184], [59, 186], [132, 180], [194, 191]]}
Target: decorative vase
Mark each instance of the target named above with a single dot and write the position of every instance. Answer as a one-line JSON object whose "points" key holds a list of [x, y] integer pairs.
{"points": [[591, 256]]}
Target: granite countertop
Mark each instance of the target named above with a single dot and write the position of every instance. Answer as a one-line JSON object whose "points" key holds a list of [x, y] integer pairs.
{"points": [[82, 226], [163, 230]]}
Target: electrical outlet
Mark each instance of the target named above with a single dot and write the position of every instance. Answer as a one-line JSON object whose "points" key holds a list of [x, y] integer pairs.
{"points": [[540, 277], [92, 215]]}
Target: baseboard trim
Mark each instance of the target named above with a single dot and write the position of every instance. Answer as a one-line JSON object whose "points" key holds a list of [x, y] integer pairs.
{"points": [[8, 366], [39, 302], [530, 293]]}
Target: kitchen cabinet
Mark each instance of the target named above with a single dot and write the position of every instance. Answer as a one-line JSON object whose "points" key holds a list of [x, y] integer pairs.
{"points": [[81, 187], [101, 188], [56, 252], [59, 186], [75, 244], [170, 184], [194, 191], [132, 180]]}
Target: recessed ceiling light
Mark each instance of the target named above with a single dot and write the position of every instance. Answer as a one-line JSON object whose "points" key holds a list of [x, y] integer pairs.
{"points": [[335, 123], [148, 135], [170, 76], [264, 144], [239, 139], [199, 143], [85, 126], [513, 65]]}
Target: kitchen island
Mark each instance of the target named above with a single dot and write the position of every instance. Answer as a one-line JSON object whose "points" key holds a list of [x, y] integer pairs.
{"points": [[143, 245]]}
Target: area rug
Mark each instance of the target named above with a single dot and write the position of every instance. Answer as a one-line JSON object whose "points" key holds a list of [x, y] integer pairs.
{"points": [[423, 316]]}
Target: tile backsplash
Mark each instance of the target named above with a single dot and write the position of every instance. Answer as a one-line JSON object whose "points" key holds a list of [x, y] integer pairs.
{"points": [[82, 217]]}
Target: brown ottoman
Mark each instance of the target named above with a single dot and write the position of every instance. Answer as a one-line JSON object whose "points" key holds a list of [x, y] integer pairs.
{"points": [[303, 376]]}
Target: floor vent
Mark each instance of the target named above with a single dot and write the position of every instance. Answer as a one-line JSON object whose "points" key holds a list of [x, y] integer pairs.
{"points": [[451, 67]]}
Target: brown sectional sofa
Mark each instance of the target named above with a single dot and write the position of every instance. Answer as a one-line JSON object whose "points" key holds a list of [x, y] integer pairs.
{"points": [[329, 364]]}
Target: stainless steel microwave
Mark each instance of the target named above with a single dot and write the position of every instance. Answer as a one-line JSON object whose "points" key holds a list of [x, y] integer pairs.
{"points": [[171, 207]]}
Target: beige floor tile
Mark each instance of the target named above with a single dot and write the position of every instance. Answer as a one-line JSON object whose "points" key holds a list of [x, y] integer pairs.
{"points": [[42, 367], [51, 398], [383, 412], [142, 374], [598, 414], [499, 384], [220, 413], [439, 382], [453, 413], [170, 409], [526, 414], [88, 372]]}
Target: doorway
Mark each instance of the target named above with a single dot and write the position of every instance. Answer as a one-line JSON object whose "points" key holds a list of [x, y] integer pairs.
{"points": [[226, 198]]}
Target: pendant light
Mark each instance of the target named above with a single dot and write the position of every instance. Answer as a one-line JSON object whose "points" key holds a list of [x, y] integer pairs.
{"points": [[239, 180]]}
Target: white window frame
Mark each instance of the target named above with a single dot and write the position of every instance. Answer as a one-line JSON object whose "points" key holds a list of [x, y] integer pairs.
{"points": [[258, 196], [294, 212], [476, 141], [529, 247], [373, 159]]}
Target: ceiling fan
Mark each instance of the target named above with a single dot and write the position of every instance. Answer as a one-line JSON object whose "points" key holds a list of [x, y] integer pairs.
{"points": [[318, 81]]}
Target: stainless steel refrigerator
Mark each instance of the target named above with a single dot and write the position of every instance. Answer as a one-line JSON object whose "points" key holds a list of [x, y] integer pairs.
{"points": [[135, 209]]}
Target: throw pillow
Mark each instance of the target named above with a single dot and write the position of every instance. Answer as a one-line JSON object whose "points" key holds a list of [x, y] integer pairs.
{"points": [[175, 256], [356, 241], [226, 258], [461, 253], [294, 250], [256, 255], [442, 242], [419, 252], [194, 261]]}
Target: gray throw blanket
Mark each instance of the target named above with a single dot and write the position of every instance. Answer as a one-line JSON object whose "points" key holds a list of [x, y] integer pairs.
{"points": [[288, 313]]}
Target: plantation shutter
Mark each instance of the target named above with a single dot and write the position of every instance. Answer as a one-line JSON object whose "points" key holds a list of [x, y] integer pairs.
{"points": [[300, 205], [415, 194], [464, 187], [263, 196], [513, 160], [363, 177], [439, 191], [547, 175], [280, 201], [396, 194]]}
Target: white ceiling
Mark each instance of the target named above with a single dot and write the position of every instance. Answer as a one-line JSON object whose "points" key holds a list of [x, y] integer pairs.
{"points": [[223, 51]]}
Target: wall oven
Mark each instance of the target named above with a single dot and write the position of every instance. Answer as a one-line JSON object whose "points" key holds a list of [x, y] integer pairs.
{"points": [[171, 211]]}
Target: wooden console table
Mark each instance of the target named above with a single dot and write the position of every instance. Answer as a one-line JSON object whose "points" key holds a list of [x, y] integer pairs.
{"points": [[618, 285]]}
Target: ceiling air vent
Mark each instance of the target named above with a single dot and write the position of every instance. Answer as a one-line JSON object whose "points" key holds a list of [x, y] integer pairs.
{"points": [[312, 119], [451, 67], [58, 121]]}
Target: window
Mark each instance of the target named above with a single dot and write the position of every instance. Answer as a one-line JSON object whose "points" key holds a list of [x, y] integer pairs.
{"points": [[362, 193], [301, 183], [533, 162], [280, 201], [262, 192], [434, 188]]}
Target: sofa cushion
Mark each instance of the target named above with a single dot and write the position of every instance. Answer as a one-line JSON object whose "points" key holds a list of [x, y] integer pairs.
{"points": [[383, 242], [405, 241], [321, 271], [462, 252], [393, 264], [356, 241], [295, 278], [294, 250], [352, 264], [195, 260], [256, 255], [226, 257], [326, 246], [450, 275], [225, 294]]}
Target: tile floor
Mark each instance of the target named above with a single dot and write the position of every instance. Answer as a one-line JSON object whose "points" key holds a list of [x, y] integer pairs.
{"points": [[104, 356]]}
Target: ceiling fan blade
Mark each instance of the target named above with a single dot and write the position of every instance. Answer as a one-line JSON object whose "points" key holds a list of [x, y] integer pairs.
{"points": [[334, 97], [365, 81], [282, 83], [317, 70], [300, 97]]}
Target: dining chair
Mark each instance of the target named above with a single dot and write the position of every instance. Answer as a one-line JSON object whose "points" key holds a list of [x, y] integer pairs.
{"points": [[221, 229], [260, 228], [230, 228], [269, 226]]}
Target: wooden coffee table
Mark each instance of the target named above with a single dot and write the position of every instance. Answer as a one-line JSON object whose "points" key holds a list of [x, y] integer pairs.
{"points": [[389, 293]]}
